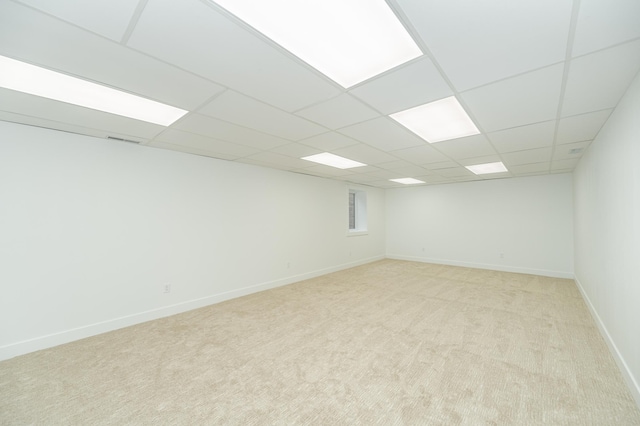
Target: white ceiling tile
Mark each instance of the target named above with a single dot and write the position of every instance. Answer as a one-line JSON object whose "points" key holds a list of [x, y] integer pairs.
{"points": [[241, 110], [383, 133], [322, 170], [480, 42], [526, 169], [563, 165], [529, 156], [35, 106], [563, 152], [329, 141], [66, 127], [384, 174], [598, 81], [283, 161], [431, 179], [537, 135], [361, 178], [480, 160], [525, 99], [41, 40], [421, 155], [218, 129], [408, 86], [471, 146], [338, 112], [109, 18], [581, 127], [455, 172], [411, 171], [203, 143], [296, 150], [191, 150], [434, 167], [603, 23], [200, 37], [364, 154]]}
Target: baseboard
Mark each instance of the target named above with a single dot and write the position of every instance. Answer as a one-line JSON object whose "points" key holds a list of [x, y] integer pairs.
{"points": [[493, 267], [51, 340], [633, 385]]}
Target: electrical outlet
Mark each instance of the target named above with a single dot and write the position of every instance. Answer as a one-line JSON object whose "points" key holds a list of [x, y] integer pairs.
{"points": [[167, 288], [501, 255]]}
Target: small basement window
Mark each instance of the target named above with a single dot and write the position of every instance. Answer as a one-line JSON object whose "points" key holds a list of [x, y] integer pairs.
{"points": [[357, 211]]}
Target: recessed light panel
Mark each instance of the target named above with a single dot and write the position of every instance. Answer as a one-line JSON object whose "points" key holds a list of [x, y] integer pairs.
{"points": [[333, 160], [438, 121], [487, 168], [27, 78], [347, 40], [407, 181]]}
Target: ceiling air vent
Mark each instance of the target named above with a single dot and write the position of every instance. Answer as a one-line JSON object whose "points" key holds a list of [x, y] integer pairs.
{"points": [[122, 140], [575, 151]]}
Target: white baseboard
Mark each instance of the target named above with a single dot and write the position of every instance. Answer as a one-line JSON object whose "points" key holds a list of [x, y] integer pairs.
{"points": [[55, 339], [622, 365], [503, 268]]}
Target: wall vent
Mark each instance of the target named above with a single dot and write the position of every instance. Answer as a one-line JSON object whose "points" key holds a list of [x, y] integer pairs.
{"points": [[122, 140]]}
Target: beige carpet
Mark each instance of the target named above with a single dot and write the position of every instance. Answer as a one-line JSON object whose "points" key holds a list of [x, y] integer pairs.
{"points": [[391, 342]]}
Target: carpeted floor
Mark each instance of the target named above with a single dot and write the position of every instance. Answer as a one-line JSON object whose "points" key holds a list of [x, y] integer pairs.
{"points": [[391, 342]]}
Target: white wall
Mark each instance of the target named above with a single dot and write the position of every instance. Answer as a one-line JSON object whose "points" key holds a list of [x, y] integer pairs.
{"points": [[91, 230], [528, 220], [607, 232]]}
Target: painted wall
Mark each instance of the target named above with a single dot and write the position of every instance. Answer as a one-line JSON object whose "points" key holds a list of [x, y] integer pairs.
{"points": [[607, 232], [92, 230], [520, 225]]}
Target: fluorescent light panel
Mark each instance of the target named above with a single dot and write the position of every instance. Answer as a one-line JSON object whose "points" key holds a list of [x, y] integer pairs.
{"points": [[407, 181], [438, 121], [333, 160], [347, 40], [487, 168], [27, 78]]}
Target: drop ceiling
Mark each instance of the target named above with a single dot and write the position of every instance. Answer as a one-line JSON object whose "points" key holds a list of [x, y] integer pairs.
{"points": [[539, 78]]}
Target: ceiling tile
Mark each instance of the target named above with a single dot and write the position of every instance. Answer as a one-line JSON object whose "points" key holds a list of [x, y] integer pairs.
{"points": [[434, 167], [296, 150], [191, 150], [526, 169], [421, 155], [604, 23], [179, 138], [109, 18], [480, 160], [455, 172], [202, 38], [563, 152], [480, 42], [525, 99], [322, 170], [529, 156], [329, 141], [471, 146], [385, 174], [408, 86], [42, 40], [361, 178], [35, 106], [537, 135], [598, 81], [338, 112], [241, 110], [582, 127], [564, 165], [364, 154], [66, 127], [283, 161], [383, 133], [218, 129]]}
